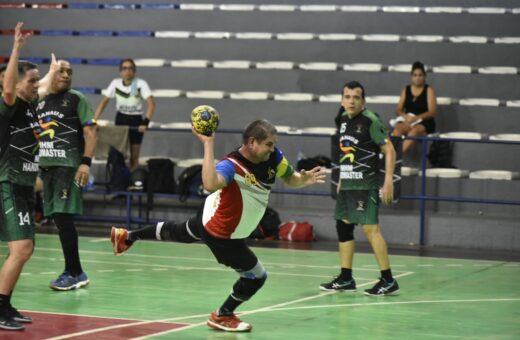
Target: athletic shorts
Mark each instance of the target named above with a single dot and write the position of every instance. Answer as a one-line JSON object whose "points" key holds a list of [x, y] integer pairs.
{"points": [[17, 206], [233, 253], [358, 206], [61, 194], [134, 136]]}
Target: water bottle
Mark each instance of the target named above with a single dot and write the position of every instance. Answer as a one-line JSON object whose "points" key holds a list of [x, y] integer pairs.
{"points": [[90, 183]]}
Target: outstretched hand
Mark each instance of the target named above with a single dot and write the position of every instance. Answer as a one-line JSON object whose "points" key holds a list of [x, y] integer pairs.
{"points": [[315, 175], [19, 36]]}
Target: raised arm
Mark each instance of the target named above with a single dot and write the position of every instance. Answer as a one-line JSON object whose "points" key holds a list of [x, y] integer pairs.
{"points": [[46, 82], [11, 72], [211, 179]]}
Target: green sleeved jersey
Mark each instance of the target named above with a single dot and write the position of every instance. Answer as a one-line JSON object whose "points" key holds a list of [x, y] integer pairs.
{"points": [[18, 143], [359, 142], [62, 117]]}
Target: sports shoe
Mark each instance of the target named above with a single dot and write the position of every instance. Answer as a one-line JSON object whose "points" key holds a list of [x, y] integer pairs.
{"points": [[14, 314], [339, 285], [68, 282], [383, 287], [9, 324], [228, 323], [118, 237]]}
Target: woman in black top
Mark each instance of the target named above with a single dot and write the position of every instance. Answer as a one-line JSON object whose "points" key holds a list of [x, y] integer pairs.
{"points": [[416, 109]]}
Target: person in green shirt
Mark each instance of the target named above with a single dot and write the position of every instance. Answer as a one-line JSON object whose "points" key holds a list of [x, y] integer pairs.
{"points": [[67, 143], [18, 170], [362, 137]]}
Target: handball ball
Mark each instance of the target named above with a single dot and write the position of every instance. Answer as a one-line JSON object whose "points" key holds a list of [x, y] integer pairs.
{"points": [[204, 119]]}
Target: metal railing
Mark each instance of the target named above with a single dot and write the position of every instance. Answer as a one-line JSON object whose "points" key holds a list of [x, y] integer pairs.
{"points": [[422, 197]]}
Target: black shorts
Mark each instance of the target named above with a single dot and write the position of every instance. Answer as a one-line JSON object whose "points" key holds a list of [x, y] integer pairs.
{"points": [[429, 125], [135, 136], [233, 253]]}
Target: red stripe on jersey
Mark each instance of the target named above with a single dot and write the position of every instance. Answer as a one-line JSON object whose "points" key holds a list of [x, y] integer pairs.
{"points": [[228, 213], [239, 167]]}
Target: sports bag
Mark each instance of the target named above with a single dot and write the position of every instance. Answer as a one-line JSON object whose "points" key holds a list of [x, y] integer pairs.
{"points": [[268, 227], [117, 174], [190, 183], [296, 231], [160, 178]]}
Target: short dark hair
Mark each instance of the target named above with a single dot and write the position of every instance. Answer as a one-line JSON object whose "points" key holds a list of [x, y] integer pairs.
{"points": [[259, 130], [418, 66], [127, 60], [24, 66], [354, 85]]}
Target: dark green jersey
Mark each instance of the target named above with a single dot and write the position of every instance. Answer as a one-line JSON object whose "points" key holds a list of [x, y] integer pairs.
{"points": [[18, 143], [360, 139], [62, 117]]}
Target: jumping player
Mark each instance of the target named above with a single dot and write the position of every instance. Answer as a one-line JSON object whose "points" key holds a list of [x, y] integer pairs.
{"points": [[240, 186]]}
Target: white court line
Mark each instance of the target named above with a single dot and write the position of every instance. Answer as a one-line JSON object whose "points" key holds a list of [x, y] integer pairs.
{"points": [[273, 308], [276, 307], [399, 303], [181, 268], [189, 259], [97, 240], [433, 258]]}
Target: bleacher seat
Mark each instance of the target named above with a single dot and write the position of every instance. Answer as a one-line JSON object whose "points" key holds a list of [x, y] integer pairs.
{"points": [[446, 173], [409, 171], [494, 174], [186, 163], [506, 136], [461, 135]]}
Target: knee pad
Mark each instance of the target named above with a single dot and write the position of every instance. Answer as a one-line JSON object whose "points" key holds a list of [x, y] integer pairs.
{"points": [[249, 282], [178, 232], [345, 231]]}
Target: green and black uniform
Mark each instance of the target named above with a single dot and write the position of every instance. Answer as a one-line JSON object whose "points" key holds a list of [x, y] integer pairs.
{"points": [[62, 117], [360, 139], [18, 169]]}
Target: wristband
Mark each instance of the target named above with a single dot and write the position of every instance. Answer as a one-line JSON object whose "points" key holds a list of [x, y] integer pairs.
{"points": [[146, 122], [86, 160]]}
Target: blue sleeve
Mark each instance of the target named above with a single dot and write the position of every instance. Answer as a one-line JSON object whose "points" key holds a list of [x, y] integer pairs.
{"points": [[226, 169]]}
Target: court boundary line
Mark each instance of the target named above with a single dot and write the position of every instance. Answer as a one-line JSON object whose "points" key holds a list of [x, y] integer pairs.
{"points": [[313, 250], [290, 250]]}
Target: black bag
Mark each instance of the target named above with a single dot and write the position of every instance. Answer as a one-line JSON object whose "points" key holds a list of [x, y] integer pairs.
{"points": [[117, 174], [160, 178], [138, 180], [268, 226], [190, 183], [441, 154], [312, 162]]}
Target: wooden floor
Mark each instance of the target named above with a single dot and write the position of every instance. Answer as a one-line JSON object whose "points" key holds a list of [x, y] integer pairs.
{"points": [[166, 290]]}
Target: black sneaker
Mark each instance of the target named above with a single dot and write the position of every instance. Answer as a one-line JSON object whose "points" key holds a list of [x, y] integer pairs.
{"points": [[383, 288], [9, 324], [339, 285], [14, 314]]}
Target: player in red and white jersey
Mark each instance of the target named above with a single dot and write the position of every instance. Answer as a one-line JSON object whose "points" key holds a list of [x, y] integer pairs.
{"points": [[240, 186]]}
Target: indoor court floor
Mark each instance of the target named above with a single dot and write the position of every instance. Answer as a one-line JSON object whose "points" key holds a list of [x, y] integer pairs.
{"points": [[166, 290]]}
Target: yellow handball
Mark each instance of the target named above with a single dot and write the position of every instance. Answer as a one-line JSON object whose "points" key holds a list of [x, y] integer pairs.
{"points": [[204, 119]]}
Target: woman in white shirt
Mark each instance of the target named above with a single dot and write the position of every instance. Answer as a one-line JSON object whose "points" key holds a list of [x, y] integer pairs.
{"points": [[130, 92]]}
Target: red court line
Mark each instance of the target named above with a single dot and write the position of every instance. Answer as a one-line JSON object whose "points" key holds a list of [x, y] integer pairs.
{"points": [[48, 325]]}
